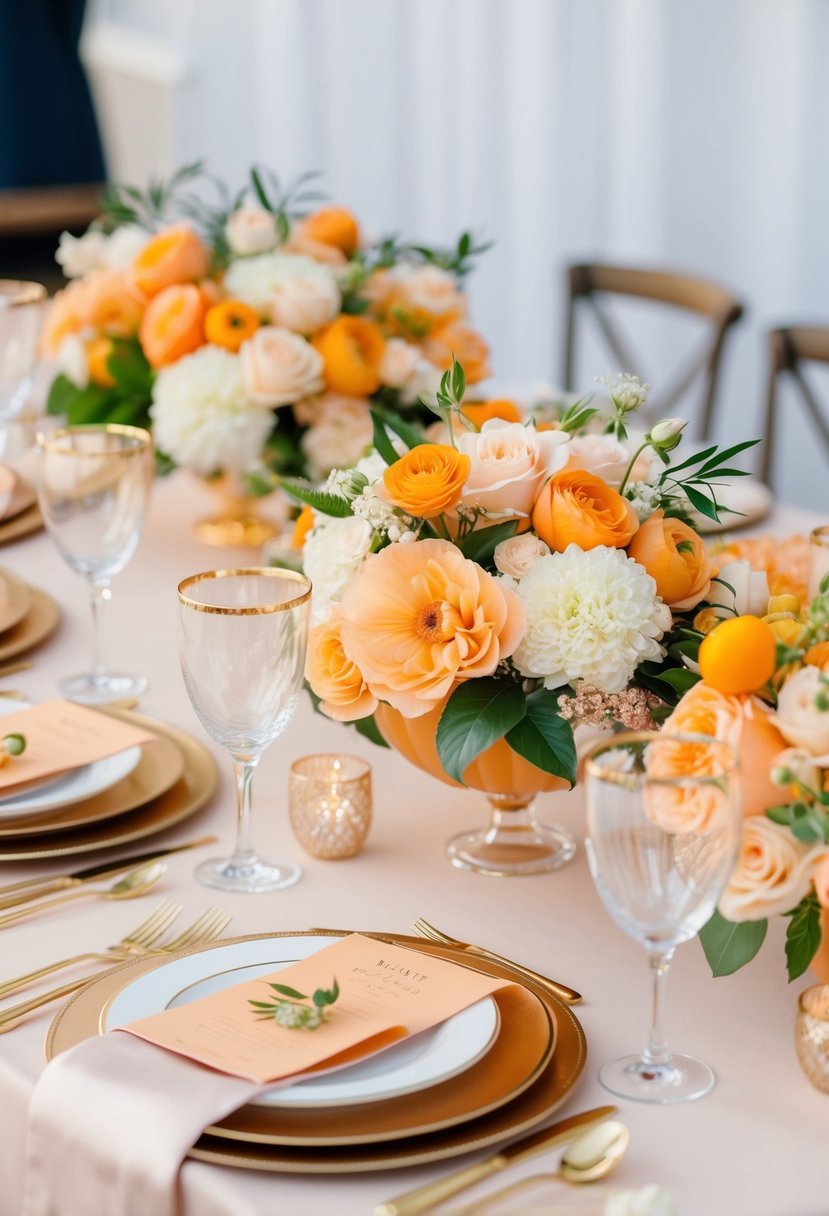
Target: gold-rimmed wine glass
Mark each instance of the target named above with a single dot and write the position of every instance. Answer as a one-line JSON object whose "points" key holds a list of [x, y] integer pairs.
{"points": [[21, 316], [243, 636], [93, 483]]}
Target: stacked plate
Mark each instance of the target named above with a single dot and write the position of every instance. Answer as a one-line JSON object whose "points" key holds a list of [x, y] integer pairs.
{"points": [[27, 616], [485, 1075], [19, 512], [133, 794]]}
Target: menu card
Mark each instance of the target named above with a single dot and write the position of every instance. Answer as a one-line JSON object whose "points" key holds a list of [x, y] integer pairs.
{"points": [[60, 736], [387, 992]]}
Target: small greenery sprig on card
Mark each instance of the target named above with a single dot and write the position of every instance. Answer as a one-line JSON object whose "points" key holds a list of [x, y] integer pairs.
{"points": [[289, 1011], [11, 745]]}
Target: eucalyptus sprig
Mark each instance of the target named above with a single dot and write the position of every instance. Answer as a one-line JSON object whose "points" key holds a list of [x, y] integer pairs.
{"points": [[285, 203], [151, 208], [458, 260], [449, 396], [576, 417], [289, 1008]]}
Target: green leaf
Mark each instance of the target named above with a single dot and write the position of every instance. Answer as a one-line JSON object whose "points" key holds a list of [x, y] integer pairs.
{"points": [[477, 714], [695, 459], [544, 738], [729, 946], [61, 394], [326, 996], [320, 500], [368, 728], [726, 454], [286, 991], [412, 436], [802, 936], [778, 814], [479, 545], [259, 190], [703, 503], [381, 440], [680, 679], [128, 366]]}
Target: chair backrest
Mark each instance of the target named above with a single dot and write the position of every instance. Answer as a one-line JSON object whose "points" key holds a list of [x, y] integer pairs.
{"points": [[589, 283], [789, 347]]}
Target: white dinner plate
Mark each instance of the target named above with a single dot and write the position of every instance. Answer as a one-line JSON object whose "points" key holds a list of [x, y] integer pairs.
{"points": [[748, 496], [68, 788], [422, 1060]]}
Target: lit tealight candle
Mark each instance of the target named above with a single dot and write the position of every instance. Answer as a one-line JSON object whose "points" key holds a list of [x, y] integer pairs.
{"points": [[329, 799]]}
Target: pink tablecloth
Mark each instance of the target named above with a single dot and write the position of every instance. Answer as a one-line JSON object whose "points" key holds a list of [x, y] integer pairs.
{"points": [[755, 1147]]}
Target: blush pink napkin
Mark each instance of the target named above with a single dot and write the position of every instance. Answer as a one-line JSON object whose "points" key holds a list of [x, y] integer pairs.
{"points": [[100, 1141]]}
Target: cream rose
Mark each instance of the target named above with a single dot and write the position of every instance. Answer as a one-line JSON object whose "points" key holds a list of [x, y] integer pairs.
{"points": [[751, 589], [514, 557], [429, 289], [279, 367], [773, 872], [399, 363], [72, 360], [510, 464], [251, 230], [605, 457], [341, 432], [306, 300], [799, 719]]}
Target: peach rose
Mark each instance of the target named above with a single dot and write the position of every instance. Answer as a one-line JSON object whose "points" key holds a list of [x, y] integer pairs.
{"points": [[333, 226], [576, 508], [64, 319], [676, 558], [419, 618], [334, 677], [694, 797], [818, 656], [399, 362], [509, 464], [174, 255], [108, 305], [251, 230], [821, 881], [604, 456], [459, 341], [305, 246], [305, 302], [341, 432], [514, 556], [279, 367], [773, 873], [426, 481], [799, 717], [172, 325], [430, 290]]}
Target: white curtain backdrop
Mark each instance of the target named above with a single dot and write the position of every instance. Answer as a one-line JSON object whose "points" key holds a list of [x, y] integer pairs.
{"points": [[648, 132]]}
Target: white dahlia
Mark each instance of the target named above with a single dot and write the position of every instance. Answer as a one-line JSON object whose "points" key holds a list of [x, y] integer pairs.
{"points": [[333, 552], [592, 616], [202, 417]]}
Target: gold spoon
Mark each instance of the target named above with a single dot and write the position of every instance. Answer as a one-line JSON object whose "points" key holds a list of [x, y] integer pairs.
{"points": [[133, 883], [590, 1157]]}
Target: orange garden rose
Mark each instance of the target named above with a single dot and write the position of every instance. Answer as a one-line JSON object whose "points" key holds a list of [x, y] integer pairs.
{"points": [[465, 344], [335, 226], [427, 481], [172, 325], [676, 558], [99, 301], [418, 618], [352, 349], [480, 412], [229, 324], [335, 679], [576, 508], [98, 351], [175, 255]]}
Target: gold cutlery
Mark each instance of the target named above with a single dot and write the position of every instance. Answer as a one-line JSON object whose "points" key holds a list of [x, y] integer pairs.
{"points": [[215, 921], [424, 1198], [132, 884], [138, 941], [33, 888], [423, 929]]}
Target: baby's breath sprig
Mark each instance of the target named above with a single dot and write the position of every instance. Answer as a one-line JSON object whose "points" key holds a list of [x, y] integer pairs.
{"points": [[289, 1011]]}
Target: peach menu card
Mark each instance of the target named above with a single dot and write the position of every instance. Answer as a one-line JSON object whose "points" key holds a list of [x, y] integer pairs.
{"points": [[61, 736], [386, 993]]}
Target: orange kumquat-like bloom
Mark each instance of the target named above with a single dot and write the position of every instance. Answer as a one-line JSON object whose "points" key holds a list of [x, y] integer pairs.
{"points": [[335, 226], [427, 481], [229, 324], [352, 348], [480, 412]]}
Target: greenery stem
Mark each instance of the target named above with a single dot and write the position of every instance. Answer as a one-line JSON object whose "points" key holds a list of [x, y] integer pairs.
{"points": [[633, 460]]}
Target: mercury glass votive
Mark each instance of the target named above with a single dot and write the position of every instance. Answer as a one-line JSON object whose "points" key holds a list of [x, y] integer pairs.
{"points": [[818, 558], [811, 1035], [329, 800]]}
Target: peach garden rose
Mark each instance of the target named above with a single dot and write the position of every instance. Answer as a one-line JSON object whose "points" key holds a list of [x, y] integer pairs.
{"points": [[773, 873], [279, 367], [334, 677], [800, 718], [509, 464]]}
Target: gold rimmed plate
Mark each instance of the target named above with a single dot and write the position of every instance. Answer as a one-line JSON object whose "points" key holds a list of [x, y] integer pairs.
{"points": [[419, 1137], [186, 796], [36, 626], [22, 524], [16, 600], [23, 496]]}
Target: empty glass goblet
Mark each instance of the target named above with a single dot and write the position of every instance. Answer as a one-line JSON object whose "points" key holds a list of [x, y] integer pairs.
{"points": [[243, 635], [21, 316], [663, 814], [93, 483]]}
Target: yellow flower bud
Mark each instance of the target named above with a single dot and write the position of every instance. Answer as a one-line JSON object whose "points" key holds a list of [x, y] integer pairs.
{"points": [[785, 603]]}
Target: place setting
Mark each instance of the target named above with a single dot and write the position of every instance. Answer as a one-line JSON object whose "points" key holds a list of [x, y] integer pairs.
{"points": [[28, 616]]}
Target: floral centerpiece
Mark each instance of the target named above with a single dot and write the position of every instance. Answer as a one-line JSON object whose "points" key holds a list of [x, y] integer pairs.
{"points": [[252, 333], [480, 594]]}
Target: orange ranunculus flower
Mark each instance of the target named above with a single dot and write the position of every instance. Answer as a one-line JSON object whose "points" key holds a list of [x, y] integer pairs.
{"points": [[465, 344], [173, 324], [576, 508], [98, 351], [335, 226], [334, 677], [480, 412], [427, 481], [818, 656], [676, 558], [108, 304], [229, 324], [175, 255], [352, 348], [303, 524], [419, 618]]}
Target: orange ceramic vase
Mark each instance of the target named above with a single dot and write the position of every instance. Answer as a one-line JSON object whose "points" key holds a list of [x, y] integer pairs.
{"points": [[515, 842], [820, 963]]}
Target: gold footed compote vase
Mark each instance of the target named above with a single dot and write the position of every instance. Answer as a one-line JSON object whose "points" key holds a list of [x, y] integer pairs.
{"points": [[238, 521], [514, 842]]}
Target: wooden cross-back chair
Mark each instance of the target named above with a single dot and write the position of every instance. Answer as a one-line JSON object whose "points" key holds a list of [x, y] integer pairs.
{"points": [[790, 347], [589, 283]]}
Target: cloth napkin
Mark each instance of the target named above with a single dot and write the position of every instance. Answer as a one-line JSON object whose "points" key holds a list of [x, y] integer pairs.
{"points": [[99, 1139]]}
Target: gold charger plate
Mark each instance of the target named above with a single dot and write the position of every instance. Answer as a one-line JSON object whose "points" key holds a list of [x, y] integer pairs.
{"points": [[80, 1017], [192, 790], [160, 766], [18, 600], [39, 622], [21, 524], [23, 497]]}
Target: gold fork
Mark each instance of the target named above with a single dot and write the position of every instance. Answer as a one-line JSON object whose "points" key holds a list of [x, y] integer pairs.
{"points": [[423, 929], [129, 886], [11, 1017]]}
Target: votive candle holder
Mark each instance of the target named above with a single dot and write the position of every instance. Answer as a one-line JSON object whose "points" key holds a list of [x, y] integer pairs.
{"points": [[329, 801], [812, 1035]]}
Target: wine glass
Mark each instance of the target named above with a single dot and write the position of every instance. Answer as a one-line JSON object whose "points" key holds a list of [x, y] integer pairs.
{"points": [[243, 635], [664, 819], [21, 316], [93, 483]]}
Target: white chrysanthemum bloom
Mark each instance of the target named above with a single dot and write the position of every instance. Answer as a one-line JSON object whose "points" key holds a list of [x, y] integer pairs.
{"points": [[333, 553], [592, 616], [261, 280], [202, 417]]}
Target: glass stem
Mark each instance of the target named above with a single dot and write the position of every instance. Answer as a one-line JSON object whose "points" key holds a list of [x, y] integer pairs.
{"points": [[100, 594], [243, 771], [657, 1052]]}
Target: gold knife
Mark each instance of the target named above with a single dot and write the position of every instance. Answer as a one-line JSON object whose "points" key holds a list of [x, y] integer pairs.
{"points": [[32, 888], [425, 1197]]}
